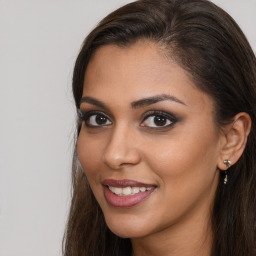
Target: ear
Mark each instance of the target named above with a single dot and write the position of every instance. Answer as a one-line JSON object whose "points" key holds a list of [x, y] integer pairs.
{"points": [[234, 139]]}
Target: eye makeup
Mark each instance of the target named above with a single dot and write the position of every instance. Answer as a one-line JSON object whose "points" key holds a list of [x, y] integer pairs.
{"points": [[153, 119], [94, 118], [158, 119]]}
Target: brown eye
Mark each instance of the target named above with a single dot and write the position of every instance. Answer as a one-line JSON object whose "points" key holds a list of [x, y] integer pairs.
{"points": [[160, 120], [101, 120], [97, 120], [156, 121]]}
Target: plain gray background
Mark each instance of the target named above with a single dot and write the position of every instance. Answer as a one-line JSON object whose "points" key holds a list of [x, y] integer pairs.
{"points": [[39, 42]]}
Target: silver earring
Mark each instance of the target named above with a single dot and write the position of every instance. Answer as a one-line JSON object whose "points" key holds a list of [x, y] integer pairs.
{"points": [[228, 164]]}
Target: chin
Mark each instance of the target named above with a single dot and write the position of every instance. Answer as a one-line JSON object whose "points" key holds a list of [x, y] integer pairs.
{"points": [[127, 227], [128, 233]]}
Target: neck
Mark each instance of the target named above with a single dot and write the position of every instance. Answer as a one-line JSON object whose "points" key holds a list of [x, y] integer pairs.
{"points": [[192, 238]]}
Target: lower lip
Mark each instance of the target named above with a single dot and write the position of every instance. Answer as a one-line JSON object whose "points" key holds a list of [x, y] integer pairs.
{"points": [[126, 201]]}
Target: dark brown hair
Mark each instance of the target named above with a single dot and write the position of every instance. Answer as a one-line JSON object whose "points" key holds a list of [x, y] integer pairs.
{"points": [[206, 42]]}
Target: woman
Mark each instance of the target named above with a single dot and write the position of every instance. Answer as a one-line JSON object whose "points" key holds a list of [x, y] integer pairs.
{"points": [[164, 162]]}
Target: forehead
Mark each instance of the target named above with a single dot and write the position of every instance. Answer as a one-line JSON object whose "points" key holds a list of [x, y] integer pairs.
{"points": [[118, 74]]}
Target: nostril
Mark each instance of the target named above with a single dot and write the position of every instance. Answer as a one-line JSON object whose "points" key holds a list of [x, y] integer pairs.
{"points": [[121, 149], [120, 158]]}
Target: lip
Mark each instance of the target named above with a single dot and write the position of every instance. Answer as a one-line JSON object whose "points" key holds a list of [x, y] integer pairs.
{"points": [[125, 201], [125, 183]]}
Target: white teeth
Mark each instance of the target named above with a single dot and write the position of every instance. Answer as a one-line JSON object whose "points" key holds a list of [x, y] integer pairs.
{"points": [[128, 191], [116, 190], [135, 190], [143, 189]]}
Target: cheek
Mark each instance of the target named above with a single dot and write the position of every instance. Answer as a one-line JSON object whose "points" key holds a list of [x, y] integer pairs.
{"points": [[176, 157], [187, 175], [186, 147], [89, 154], [185, 162]]}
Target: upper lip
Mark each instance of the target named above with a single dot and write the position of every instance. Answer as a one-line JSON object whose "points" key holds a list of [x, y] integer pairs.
{"points": [[125, 183]]}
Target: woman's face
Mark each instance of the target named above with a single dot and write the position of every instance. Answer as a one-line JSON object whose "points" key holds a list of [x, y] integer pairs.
{"points": [[148, 143]]}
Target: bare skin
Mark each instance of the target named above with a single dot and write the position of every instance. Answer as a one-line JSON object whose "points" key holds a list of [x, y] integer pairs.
{"points": [[146, 121]]}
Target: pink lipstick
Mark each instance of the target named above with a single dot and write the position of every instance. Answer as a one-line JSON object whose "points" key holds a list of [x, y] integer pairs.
{"points": [[126, 193]]}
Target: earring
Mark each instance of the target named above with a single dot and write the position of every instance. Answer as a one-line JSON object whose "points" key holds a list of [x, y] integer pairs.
{"points": [[228, 164]]}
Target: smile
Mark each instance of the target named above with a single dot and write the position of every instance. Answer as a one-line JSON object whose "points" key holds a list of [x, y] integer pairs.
{"points": [[126, 193]]}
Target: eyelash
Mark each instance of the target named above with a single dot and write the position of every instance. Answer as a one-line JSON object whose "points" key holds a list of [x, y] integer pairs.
{"points": [[156, 113], [85, 117]]}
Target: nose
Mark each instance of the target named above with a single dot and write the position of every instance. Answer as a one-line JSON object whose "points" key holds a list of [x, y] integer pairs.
{"points": [[121, 149]]}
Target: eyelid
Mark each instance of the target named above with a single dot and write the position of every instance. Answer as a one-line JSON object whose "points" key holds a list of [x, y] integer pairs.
{"points": [[82, 113], [85, 115], [168, 115], [173, 119]]}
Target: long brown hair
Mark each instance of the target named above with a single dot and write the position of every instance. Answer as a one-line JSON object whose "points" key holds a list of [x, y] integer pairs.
{"points": [[207, 42]]}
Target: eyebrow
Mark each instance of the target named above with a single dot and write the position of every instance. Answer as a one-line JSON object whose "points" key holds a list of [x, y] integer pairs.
{"points": [[154, 99], [93, 101], [135, 104]]}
